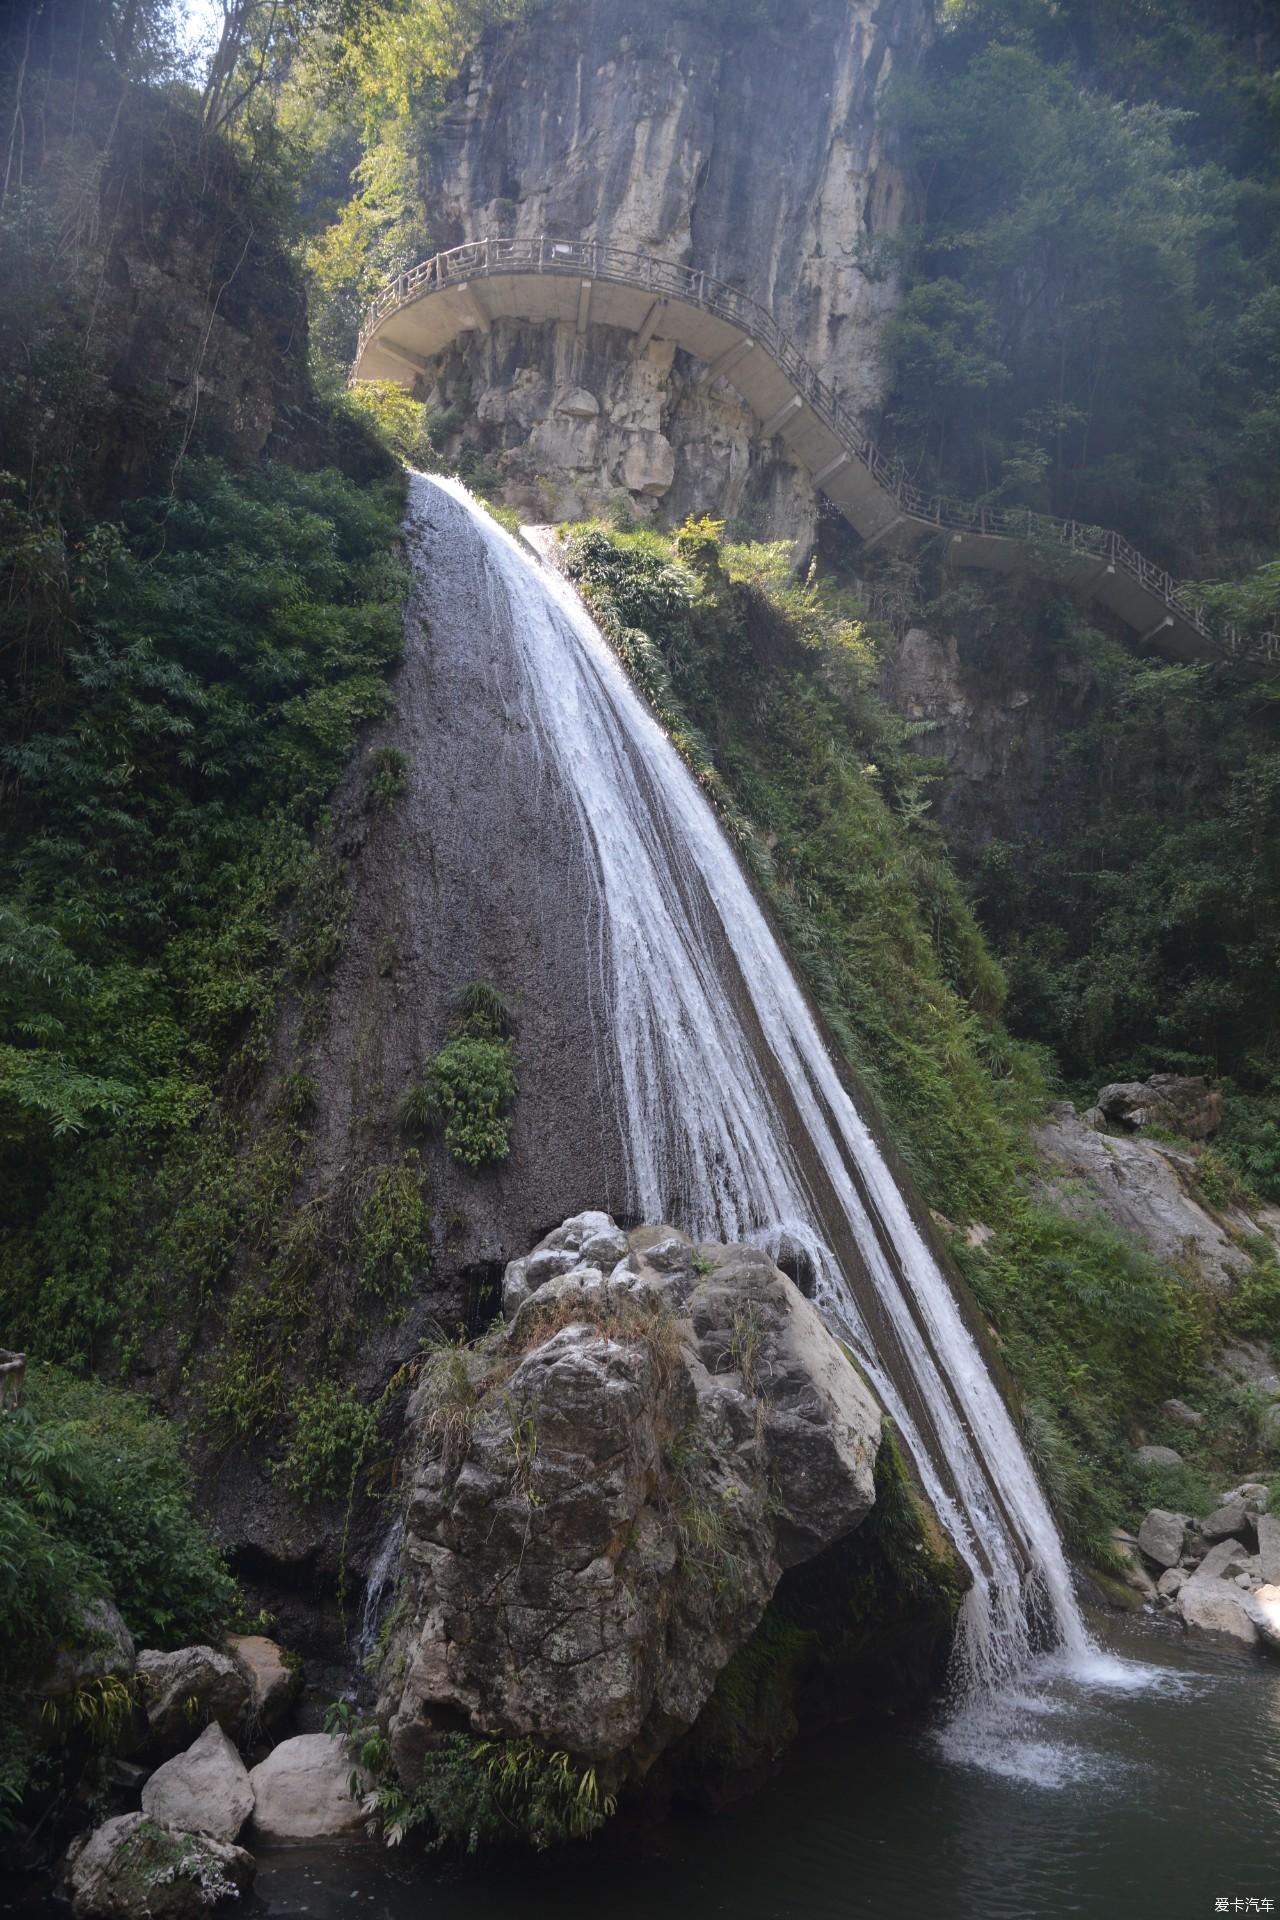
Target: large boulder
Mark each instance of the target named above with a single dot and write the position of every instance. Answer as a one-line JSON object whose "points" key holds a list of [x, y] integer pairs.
{"points": [[183, 1690], [302, 1791], [273, 1682], [1215, 1607], [1145, 1189], [1263, 1608], [133, 1869], [101, 1649], [204, 1790], [1229, 1521], [653, 1441], [1161, 1536], [1179, 1103]]}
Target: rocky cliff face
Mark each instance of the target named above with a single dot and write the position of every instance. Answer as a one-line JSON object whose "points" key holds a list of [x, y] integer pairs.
{"points": [[756, 155]]}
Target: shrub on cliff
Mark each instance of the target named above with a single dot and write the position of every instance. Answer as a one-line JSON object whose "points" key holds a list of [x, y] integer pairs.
{"points": [[94, 1504]]}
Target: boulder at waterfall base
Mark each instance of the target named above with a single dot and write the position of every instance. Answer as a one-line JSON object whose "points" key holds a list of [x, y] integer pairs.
{"points": [[131, 1868], [204, 1790], [273, 1681], [606, 1493], [183, 1689], [302, 1791]]}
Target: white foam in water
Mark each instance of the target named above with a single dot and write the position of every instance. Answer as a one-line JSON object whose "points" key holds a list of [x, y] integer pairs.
{"points": [[704, 1135]]}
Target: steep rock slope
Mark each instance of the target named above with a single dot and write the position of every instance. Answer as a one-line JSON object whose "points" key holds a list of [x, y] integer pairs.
{"points": [[755, 154]]}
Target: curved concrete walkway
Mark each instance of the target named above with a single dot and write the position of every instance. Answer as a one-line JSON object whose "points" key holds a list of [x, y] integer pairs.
{"points": [[587, 282]]}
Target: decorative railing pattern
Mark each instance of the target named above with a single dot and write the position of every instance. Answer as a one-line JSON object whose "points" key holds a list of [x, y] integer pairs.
{"points": [[599, 260]]}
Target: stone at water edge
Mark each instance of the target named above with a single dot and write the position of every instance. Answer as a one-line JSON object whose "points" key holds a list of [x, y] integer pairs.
{"points": [[1269, 1547], [204, 1790], [302, 1791], [1135, 1575], [1161, 1536], [1212, 1606], [273, 1683], [132, 1869], [1171, 1583], [1263, 1608], [183, 1689]]}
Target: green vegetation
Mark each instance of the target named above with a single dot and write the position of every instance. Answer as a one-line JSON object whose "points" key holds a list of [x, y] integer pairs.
{"points": [[487, 1793], [166, 767], [1093, 289], [332, 1433], [470, 1082], [94, 1504], [1143, 935], [387, 778]]}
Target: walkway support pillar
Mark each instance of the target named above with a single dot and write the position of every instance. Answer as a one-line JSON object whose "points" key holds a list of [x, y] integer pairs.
{"points": [[648, 327], [728, 360], [776, 422], [472, 308]]}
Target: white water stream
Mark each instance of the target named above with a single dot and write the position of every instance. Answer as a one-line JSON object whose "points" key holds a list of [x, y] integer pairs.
{"points": [[705, 1018]]}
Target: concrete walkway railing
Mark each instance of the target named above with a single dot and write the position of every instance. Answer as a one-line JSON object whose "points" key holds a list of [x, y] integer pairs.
{"points": [[593, 260]]}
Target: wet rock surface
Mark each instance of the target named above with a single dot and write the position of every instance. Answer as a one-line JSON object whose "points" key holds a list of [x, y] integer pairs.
{"points": [[598, 1516]]}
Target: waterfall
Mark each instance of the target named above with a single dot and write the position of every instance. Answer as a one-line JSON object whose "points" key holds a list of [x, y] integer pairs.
{"points": [[381, 1571], [737, 1122]]}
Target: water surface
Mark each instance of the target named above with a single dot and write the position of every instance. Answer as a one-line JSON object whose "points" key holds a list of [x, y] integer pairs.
{"points": [[1144, 1786]]}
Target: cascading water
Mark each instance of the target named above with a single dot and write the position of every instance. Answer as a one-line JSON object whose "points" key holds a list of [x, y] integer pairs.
{"points": [[737, 1123], [375, 1588]]}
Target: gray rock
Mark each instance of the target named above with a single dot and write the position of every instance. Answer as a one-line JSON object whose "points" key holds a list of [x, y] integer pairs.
{"points": [[1143, 1188], [1224, 1561], [604, 1249], [1134, 1574], [132, 1869], [1251, 1362], [273, 1683], [1230, 1520], [1157, 1457], [103, 1649], [1181, 1414], [1268, 1525], [1161, 1536], [184, 1689], [1213, 1607], [1171, 1583], [1263, 1609], [302, 1791], [204, 1790], [1181, 1103], [579, 1576]]}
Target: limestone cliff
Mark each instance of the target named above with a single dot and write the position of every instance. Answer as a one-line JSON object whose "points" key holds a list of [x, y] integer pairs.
{"points": [[756, 155]]}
